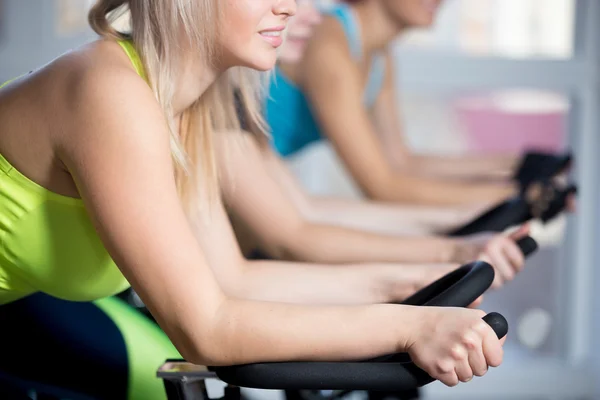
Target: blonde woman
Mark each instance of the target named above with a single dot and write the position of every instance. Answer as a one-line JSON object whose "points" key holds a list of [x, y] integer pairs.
{"points": [[108, 179]]}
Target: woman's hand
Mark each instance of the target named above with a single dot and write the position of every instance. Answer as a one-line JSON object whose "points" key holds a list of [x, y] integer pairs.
{"points": [[499, 250], [455, 344]]}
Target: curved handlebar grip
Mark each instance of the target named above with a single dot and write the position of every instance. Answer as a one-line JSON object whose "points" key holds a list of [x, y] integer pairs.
{"points": [[464, 285], [459, 288], [509, 213]]}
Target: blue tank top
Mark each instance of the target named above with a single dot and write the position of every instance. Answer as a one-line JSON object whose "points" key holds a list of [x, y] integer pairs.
{"points": [[288, 112]]}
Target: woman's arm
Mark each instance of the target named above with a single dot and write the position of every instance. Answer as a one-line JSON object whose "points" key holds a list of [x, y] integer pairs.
{"points": [[465, 166], [332, 82], [260, 204], [254, 197], [391, 218], [115, 144], [308, 283], [293, 282], [370, 216]]}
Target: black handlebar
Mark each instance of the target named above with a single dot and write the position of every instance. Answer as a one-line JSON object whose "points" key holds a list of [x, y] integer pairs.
{"points": [[497, 219], [464, 285], [512, 212], [459, 288], [539, 165], [535, 166], [528, 245]]}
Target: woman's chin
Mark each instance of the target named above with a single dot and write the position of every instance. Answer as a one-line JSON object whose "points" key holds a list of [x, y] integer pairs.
{"points": [[261, 62], [266, 64]]}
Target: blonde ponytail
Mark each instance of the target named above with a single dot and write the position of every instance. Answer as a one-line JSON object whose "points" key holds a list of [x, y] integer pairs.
{"points": [[99, 20]]}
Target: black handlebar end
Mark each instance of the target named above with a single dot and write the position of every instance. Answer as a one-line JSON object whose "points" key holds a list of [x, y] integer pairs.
{"points": [[498, 324], [528, 245]]}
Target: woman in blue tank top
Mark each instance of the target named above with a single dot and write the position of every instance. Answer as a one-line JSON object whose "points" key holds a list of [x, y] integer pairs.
{"points": [[341, 88]]}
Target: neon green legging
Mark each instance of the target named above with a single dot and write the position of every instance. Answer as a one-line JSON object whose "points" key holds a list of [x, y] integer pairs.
{"points": [[147, 348], [104, 349]]}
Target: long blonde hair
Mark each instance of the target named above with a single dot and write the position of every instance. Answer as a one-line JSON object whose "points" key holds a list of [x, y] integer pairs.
{"points": [[156, 32]]}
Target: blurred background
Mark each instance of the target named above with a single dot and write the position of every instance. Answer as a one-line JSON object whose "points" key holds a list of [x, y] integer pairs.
{"points": [[492, 76], [508, 75]]}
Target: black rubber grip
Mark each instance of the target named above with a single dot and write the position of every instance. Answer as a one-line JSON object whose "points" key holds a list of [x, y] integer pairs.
{"points": [[459, 288], [528, 245], [515, 211], [464, 285], [559, 203], [509, 213], [498, 324], [537, 166]]}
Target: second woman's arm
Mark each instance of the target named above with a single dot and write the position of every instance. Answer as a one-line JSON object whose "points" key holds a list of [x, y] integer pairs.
{"points": [[332, 81]]}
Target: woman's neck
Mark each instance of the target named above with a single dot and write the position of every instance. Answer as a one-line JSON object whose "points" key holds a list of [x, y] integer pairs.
{"points": [[192, 83], [370, 14]]}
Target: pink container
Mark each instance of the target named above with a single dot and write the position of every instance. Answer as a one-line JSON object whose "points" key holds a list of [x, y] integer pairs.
{"points": [[513, 121]]}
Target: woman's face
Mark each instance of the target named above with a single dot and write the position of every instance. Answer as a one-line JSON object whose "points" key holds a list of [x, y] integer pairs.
{"points": [[252, 30], [300, 30], [413, 13]]}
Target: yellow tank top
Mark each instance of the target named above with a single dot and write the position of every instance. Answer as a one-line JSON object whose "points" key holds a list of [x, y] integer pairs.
{"points": [[47, 241]]}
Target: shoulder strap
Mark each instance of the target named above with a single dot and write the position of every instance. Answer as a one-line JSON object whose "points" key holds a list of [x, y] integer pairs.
{"points": [[134, 56], [344, 14], [376, 79]]}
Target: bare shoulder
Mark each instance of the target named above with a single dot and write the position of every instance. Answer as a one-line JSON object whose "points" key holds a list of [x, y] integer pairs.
{"points": [[327, 58], [101, 75], [72, 101], [328, 47], [329, 35], [102, 92]]}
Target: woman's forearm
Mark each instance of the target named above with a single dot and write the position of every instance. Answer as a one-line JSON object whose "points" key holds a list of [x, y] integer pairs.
{"points": [[436, 192], [302, 283], [500, 167], [306, 333], [332, 244], [388, 218]]}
